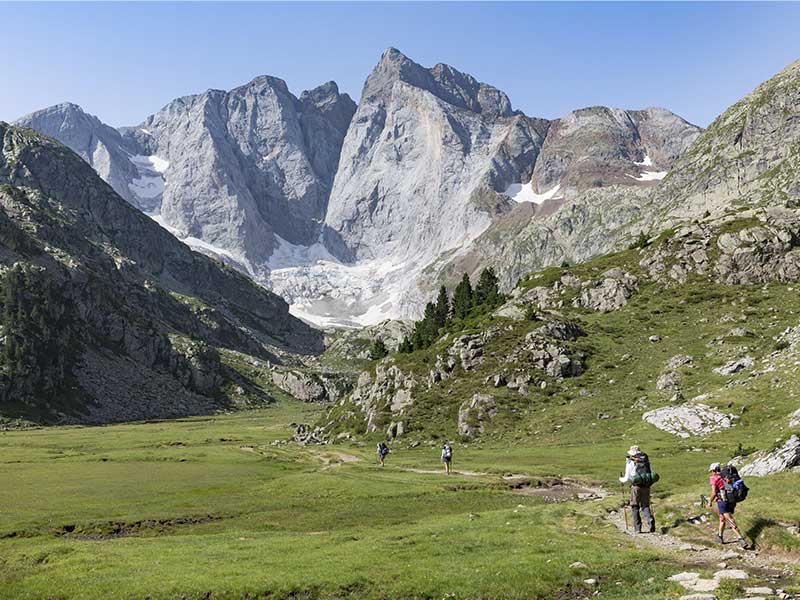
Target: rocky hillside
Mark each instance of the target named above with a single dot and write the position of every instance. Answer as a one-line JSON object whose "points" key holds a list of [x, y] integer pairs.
{"points": [[106, 316], [748, 157], [101, 146], [693, 337], [353, 214], [690, 332]]}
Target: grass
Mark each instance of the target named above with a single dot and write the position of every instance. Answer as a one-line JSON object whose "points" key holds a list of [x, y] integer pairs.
{"points": [[211, 508]]}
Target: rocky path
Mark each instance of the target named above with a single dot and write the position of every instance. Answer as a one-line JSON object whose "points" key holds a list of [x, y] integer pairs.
{"points": [[760, 574]]}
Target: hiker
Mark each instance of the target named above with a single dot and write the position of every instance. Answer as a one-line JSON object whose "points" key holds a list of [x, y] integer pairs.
{"points": [[383, 450], [447, 457], [723, 502], [639, 474]]}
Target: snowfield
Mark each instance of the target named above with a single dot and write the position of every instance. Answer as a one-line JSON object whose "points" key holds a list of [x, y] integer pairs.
{"points": [[647, 175], [150, 183], [523, 192]]}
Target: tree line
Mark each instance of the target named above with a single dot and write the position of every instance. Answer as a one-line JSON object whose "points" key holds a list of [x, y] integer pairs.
{"points": [[451, 313]]}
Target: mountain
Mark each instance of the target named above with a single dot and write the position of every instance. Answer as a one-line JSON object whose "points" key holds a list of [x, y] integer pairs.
{"points": [[101, 146], [106, 316], [235, 173], [249, 169], [353, 214], [675, 330], [749, 156]]}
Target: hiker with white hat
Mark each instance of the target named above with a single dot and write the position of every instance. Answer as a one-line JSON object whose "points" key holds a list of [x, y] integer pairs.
{"points": [[639, 474]]}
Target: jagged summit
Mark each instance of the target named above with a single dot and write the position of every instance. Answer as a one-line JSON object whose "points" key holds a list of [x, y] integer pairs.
{"points": [[342, 208], [443, 81]]}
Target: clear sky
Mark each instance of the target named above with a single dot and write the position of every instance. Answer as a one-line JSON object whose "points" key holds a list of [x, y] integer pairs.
{"points": [[123, 61]]}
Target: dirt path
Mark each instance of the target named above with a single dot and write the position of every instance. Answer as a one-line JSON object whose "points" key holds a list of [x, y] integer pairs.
{"points": [[704, 555]]}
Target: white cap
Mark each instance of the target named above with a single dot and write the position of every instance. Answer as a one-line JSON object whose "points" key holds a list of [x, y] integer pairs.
{"points": [[714, 467], [634, 450]]}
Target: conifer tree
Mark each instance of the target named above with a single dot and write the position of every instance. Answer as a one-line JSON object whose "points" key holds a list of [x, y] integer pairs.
{"points": [[487, 292], [442, 307], [462, 298]]}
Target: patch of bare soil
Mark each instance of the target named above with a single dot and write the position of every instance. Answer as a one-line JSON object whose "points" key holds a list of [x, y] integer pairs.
{"points": [[115, 529]]}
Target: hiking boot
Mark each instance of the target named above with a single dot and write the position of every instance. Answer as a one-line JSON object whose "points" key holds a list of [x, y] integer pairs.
{"points": [[743, 543], [718, 539]]}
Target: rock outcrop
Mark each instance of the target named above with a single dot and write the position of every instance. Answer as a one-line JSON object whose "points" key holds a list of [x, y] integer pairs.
{"points": [[781, 459], [474, 413], [688, 419]]}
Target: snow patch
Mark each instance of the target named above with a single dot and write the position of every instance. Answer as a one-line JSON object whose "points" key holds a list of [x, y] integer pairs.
{"points": [[150, 183], [523, 192], [647, 175], [207, 248]]}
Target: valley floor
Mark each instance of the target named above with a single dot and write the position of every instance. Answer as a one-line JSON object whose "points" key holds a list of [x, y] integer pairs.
{"points": [[211, 508]]}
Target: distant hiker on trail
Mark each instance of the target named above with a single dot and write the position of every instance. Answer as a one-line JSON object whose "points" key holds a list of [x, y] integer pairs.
{"points": [[639, 474], [383, 450], [726, 489], [447, 457]]}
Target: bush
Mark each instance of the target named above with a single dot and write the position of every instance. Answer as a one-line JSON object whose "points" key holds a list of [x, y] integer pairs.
{"points": [[378, 350]]}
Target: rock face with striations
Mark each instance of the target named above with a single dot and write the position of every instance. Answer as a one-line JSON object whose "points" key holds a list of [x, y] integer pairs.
{"points": [[422, 161], [105, 315], [248, 165], [228, 171]]}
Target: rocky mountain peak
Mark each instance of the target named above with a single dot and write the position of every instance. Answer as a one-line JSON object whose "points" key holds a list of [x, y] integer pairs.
{"points": [[443, 81]]}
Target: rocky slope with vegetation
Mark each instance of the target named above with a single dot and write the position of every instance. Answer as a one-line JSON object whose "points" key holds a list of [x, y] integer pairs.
{"points": [[689, 331], [106, 316]]}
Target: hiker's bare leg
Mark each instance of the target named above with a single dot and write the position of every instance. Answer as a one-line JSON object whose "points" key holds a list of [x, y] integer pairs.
{"points": [[732, 522]]}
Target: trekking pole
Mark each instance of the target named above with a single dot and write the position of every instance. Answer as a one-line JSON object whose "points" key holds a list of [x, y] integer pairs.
{"points": [[624, 504]]}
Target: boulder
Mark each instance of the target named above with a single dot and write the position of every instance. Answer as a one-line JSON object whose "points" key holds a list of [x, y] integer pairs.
{"points": [[688, 420], [474, 413], [765, 463], [670, 380], [735, 366], [610, 293]]}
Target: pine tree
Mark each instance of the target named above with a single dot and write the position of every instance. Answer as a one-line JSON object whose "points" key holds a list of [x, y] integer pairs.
{"points": [[487, 291], [378, 350], [442, 307], [406, 347], [462, 298]]}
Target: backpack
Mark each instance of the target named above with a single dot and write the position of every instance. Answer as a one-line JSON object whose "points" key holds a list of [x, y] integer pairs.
{"points": [[383, 449], [643, 475], [735, 488], [448, 452]]}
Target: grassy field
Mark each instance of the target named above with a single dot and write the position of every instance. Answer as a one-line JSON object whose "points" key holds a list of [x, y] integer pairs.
{"points": [[209, 508]]}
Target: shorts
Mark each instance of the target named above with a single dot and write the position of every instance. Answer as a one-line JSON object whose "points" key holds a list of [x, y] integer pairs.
{"points": [[447, 459], [726, 507]]}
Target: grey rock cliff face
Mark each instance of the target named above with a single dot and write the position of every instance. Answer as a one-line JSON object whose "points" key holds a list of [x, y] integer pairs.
{"points": [[248, 163], [423, 146]]}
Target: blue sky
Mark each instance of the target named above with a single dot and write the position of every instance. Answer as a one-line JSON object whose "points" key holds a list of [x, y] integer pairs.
{"points": [[123, 61]]}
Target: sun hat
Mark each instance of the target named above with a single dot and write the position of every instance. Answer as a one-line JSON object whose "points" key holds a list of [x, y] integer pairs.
{"points": [[634, 450], [713, 467]]}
